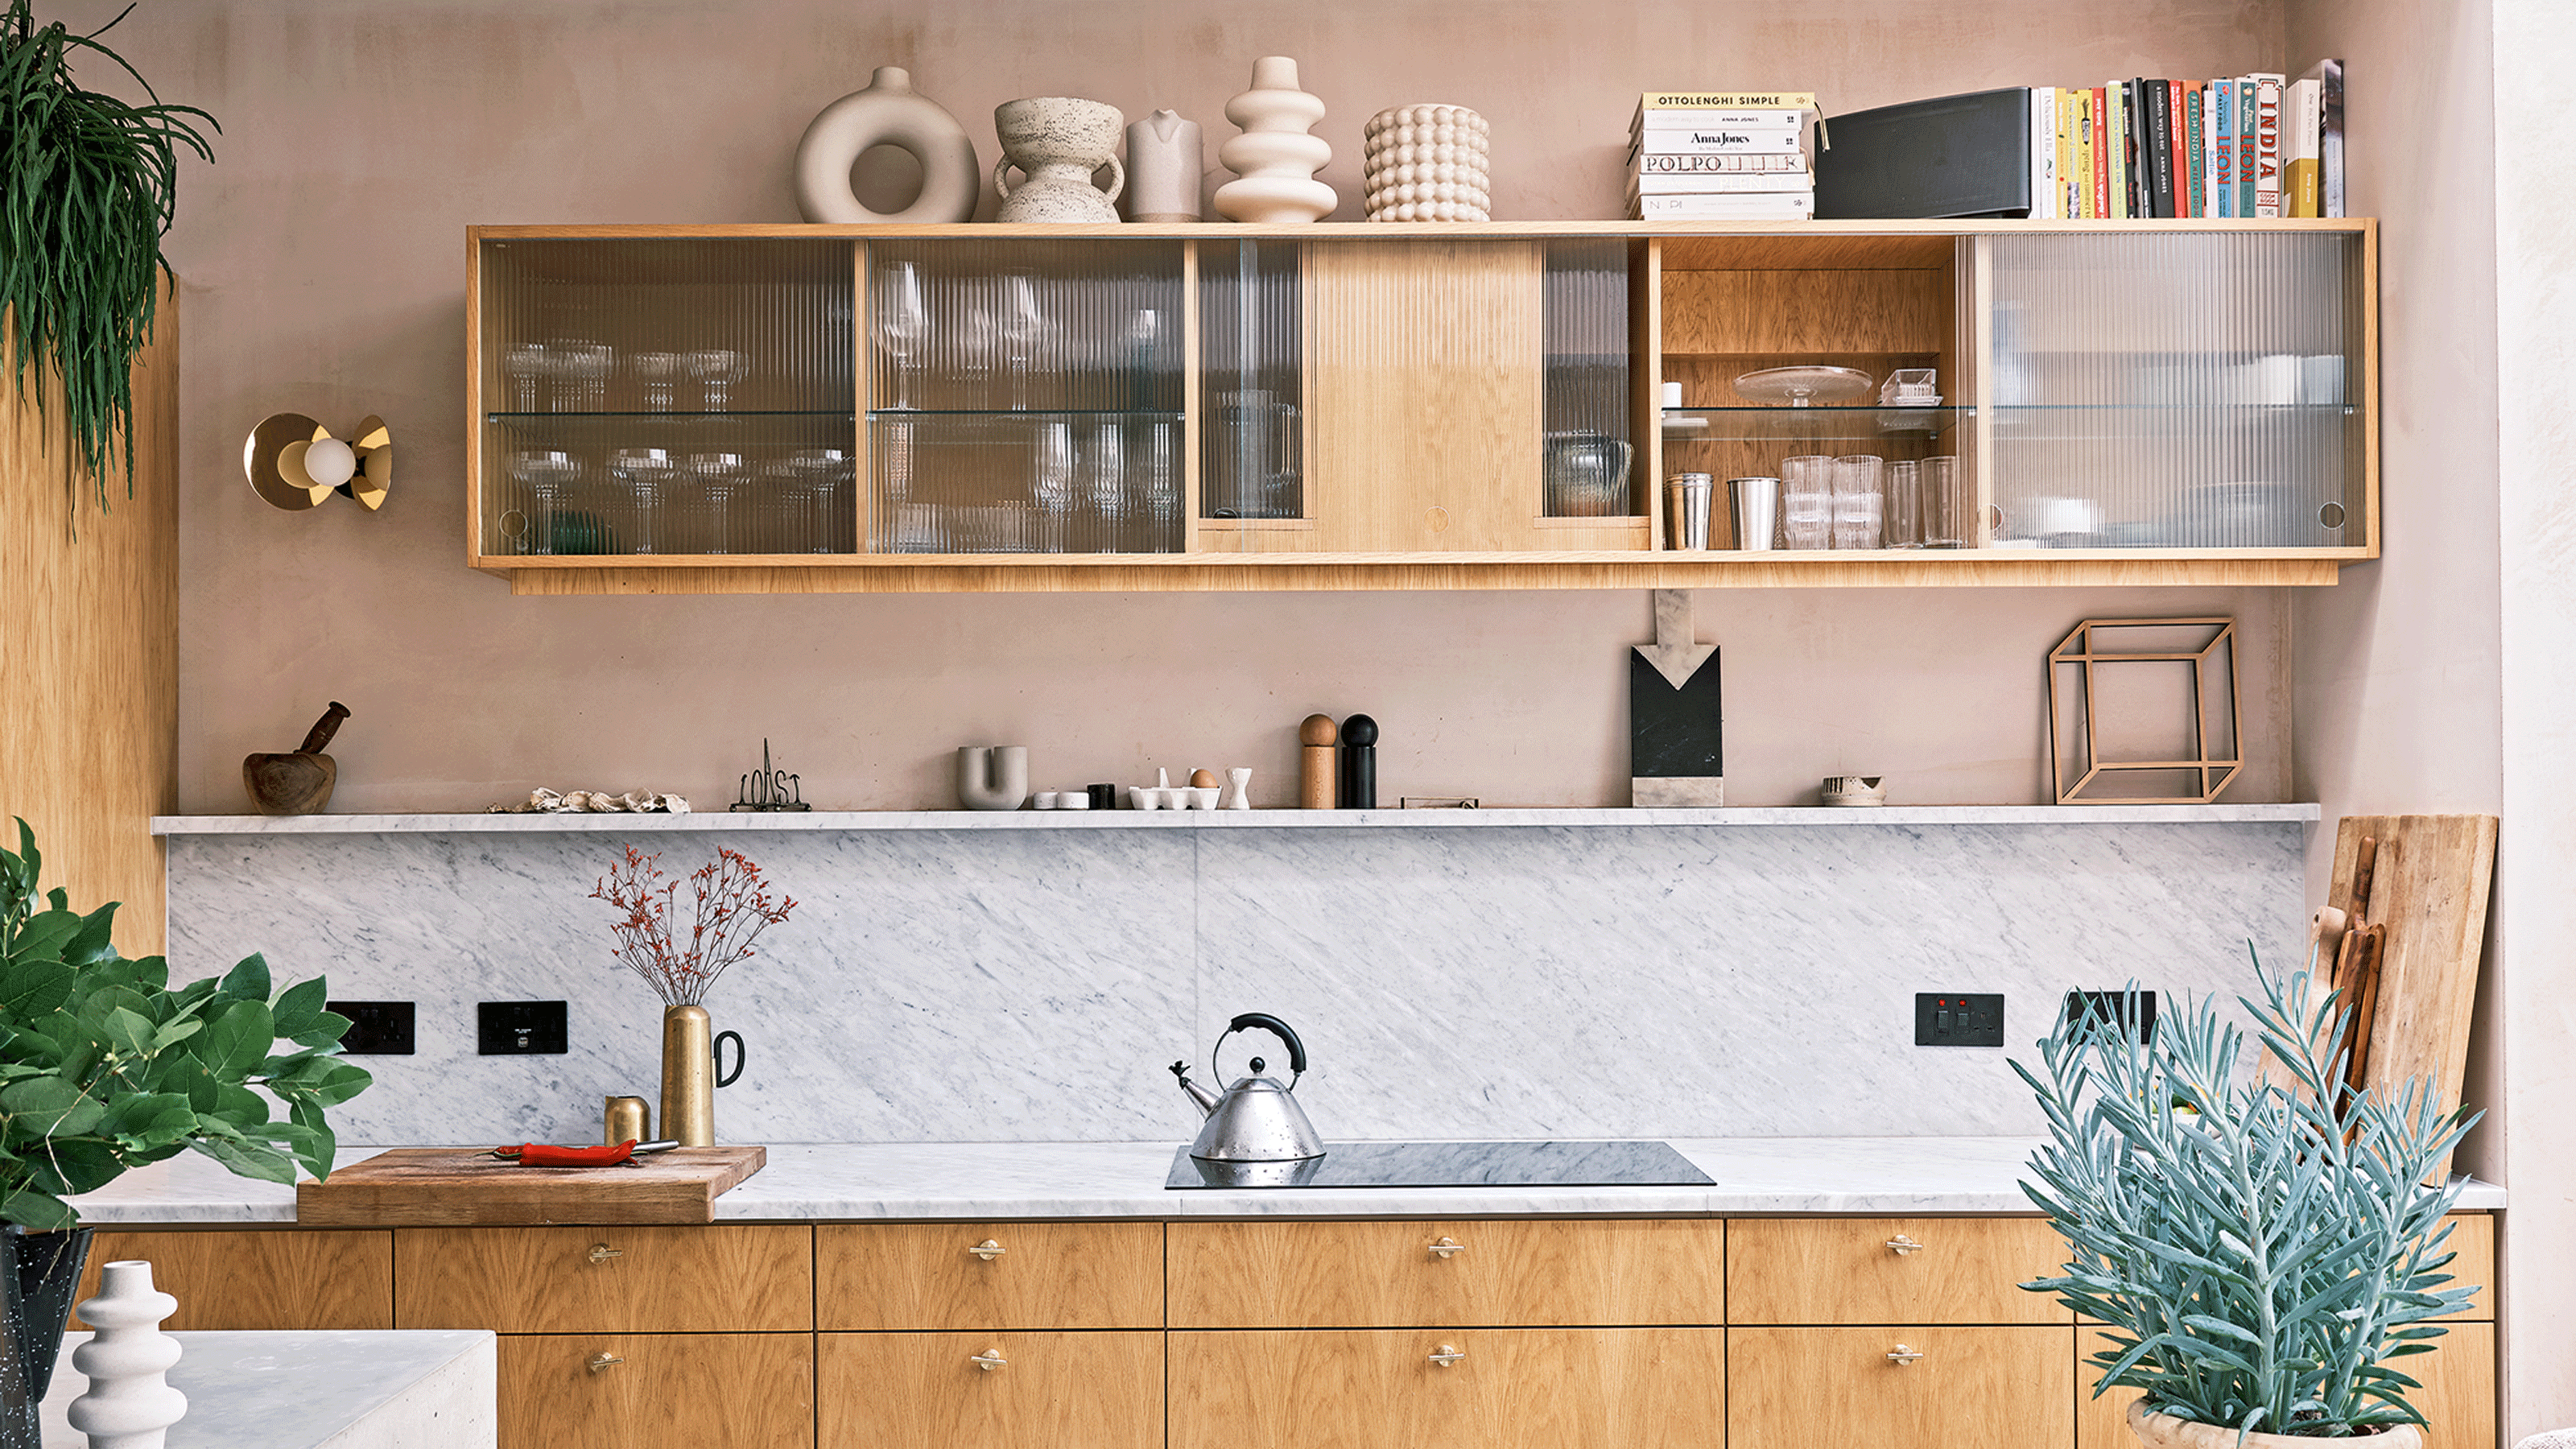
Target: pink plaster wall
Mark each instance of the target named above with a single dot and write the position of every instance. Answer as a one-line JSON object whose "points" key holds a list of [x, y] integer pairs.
{"points": [[323, 261]]}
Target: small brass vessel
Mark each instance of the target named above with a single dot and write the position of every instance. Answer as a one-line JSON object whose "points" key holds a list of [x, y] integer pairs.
{"points": [[627, 1119]]}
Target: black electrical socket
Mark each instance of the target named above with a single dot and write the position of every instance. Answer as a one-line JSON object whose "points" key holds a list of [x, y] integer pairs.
{"points": [[1952, 1018], [376, 1028], [521, 1028], [2106, 1007]]}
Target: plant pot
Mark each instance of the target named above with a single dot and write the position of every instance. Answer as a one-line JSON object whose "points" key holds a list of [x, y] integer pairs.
{"points": [[38, 1279], [2163, 1431]]}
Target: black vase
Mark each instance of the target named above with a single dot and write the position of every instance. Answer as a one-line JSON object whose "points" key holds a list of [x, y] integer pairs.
{"points": [[38, 1293]]}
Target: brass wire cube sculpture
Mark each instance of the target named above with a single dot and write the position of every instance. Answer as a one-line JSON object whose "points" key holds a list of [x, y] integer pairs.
{"points": [[2078, 657]]}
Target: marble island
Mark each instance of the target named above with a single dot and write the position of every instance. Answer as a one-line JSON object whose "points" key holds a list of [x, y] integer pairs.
{"points": [[931, 1181]]}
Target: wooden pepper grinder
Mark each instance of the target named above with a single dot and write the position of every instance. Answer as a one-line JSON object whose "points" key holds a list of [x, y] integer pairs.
{"points": [[1318, 783], [1359, 763]]}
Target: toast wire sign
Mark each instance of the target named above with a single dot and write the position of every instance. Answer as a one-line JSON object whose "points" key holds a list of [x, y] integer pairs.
{"points": [[732, 908]]}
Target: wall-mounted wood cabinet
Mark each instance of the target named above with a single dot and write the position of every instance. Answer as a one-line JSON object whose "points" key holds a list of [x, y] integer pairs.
{"points": [[841, 409]]}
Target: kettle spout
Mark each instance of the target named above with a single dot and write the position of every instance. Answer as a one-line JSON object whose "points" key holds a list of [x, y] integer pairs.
{"points": [[1198, 1094]]}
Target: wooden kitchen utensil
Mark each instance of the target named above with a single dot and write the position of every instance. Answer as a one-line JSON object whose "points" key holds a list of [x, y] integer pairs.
{"points": [[412, 1187], [299, 782]]}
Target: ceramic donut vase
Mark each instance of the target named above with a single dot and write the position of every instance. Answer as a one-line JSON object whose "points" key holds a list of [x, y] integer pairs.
{"points": [[1427, 163]]}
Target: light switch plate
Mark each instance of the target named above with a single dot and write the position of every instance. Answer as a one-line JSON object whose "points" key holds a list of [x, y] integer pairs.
{"points": [[376, 1028], [1957, 1018], [521, 1028]]}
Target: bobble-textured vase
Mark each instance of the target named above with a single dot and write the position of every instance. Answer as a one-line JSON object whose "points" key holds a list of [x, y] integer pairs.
{"points": [[1274, 160], [130, 1404], [1427, 163]]}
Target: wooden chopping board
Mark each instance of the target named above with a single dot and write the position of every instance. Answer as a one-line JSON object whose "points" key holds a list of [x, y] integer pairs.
{"points": [[419, 1187]]}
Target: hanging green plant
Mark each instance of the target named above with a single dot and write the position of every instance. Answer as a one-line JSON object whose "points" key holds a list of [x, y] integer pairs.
{"points": [[87, 183]]}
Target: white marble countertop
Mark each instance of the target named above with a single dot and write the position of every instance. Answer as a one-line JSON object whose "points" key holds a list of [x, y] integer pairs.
{"points": [[1230, 819], [930, 1181], [311, 1390]]}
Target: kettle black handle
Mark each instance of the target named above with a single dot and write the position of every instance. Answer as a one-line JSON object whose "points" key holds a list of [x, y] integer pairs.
{"points": [[1280, 1029]]}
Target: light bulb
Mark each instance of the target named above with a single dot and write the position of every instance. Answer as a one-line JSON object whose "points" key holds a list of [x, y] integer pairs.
{"points": [[330, 463]]}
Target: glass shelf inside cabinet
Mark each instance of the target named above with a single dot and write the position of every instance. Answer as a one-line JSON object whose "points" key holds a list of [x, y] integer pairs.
{"points": [[666, 416], [1738, 423], [896, 415]]}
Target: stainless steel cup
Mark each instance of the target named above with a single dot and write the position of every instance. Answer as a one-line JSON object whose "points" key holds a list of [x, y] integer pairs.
{"points": [[1686, 503], [1753, 508]]}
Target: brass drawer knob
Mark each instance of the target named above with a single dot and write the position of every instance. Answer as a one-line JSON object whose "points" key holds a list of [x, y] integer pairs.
{"points": [[1447, 1356], [989, 1360], [600, 1362], [1447, 1248], [1901, 1245], [988, 1250], [601, 1252], [1904, 1357]]}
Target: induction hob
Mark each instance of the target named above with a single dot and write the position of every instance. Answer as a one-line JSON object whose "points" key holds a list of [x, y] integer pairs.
{"points": [[1453, 1164]]}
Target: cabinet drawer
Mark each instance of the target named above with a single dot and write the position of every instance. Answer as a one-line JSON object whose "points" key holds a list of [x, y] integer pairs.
{"points": [[926, 1391], [260, 1279], [1998, 1388], [741, 1390], [1358, 1275], [606, 1280], [1543, 1388], [1891, 1270], [2457, 1400], [2473, 1241], [1029, 1275]]}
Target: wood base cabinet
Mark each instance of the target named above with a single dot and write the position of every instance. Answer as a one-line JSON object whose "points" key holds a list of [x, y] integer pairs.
{"points": [[991, 1390], [2457, 1400], [2002, 1387], [262, 1280], [1491, 1388], [625, 1391]]}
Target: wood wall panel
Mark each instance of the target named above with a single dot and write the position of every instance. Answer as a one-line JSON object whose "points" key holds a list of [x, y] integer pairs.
{"points": [[89, 672], [1806, 311]]}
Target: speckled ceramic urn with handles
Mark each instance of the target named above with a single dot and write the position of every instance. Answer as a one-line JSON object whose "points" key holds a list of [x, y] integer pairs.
{"points": [[1060, 141], [2163, 1431]]}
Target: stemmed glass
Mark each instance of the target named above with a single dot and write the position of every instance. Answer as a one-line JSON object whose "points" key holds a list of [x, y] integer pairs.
{"points": [[1022, 325], [660, 372], [645, 472], [582, 370], [526, 364], [827, 473], [1108, 469], [901, 321], [546, 473], [1053, 489], [715, 369], [717, 475]]}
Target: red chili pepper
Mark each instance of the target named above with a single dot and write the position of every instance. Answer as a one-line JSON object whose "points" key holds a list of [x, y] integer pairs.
{"points": [[538, 1154]]}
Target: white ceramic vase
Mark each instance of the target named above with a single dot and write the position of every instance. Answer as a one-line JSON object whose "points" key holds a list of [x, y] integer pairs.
{"points": [[1274, 160], [1238, 789], [1427, 163], [1164, 160], [130, 1404], [888, 113], [993, 778]]}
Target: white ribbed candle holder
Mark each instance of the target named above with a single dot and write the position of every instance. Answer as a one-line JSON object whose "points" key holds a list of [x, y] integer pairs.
{"points": [[130, 1404], [1428, 163]]}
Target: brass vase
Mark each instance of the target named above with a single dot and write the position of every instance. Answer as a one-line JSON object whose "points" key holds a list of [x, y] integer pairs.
{"points": [[688, 1077]]}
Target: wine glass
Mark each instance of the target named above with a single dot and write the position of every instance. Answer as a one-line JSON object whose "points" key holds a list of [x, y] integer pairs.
{"points": [[1022, 325], [645, 472], [717, 474], [1107, 466], [547, 473], [716, 369], [900, 319], [660, 373]]}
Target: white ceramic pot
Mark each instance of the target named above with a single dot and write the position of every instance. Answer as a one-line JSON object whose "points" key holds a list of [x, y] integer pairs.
{"points": [[1059, 141], [2163, 1431], [1274, 160], [888, 113], [1164, 160]]}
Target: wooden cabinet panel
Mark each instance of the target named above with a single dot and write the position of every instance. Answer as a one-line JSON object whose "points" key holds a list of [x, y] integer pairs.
{"points": [[925, 1391], [1844, 1270], [260, 1279], [606, 1280], [741, 1390], [1036, 1275], [1624, 1388], [1529, 1271], [2473, 1242], [1427, 357], [2457, 1400], [2008, 1387]]}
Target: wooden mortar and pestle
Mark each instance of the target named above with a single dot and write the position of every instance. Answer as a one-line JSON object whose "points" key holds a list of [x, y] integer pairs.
{"points": [[298, 783]]}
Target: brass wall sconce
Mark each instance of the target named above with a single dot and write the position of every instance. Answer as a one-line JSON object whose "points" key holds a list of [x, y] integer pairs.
{"points": [[295, 463]]}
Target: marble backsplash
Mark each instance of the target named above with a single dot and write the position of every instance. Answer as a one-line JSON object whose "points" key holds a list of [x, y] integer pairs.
{"points": [[1034, 985]]}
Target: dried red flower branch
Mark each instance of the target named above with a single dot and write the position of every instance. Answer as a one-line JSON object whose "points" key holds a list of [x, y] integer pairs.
{"points": [[732, 908]]}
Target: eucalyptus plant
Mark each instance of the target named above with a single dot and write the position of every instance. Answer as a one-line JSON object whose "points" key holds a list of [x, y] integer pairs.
{"points": [[87, 187], [2261, 1264], [104, 1067]]}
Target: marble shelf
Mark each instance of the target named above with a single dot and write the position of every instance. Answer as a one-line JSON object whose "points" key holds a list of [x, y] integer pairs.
{"points": [[890, 820], [406, 1389]]}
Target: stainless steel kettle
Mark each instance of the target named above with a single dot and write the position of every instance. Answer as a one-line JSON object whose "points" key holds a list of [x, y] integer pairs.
{"points": [[1257, 1120]]}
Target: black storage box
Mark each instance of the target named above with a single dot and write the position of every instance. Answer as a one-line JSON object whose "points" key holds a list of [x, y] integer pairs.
{"points": [[1951, 157]]}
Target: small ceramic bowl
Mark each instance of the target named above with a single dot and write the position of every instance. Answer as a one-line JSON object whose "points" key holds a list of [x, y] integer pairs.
{"points": [[1043, 800], [1072, 800]]}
